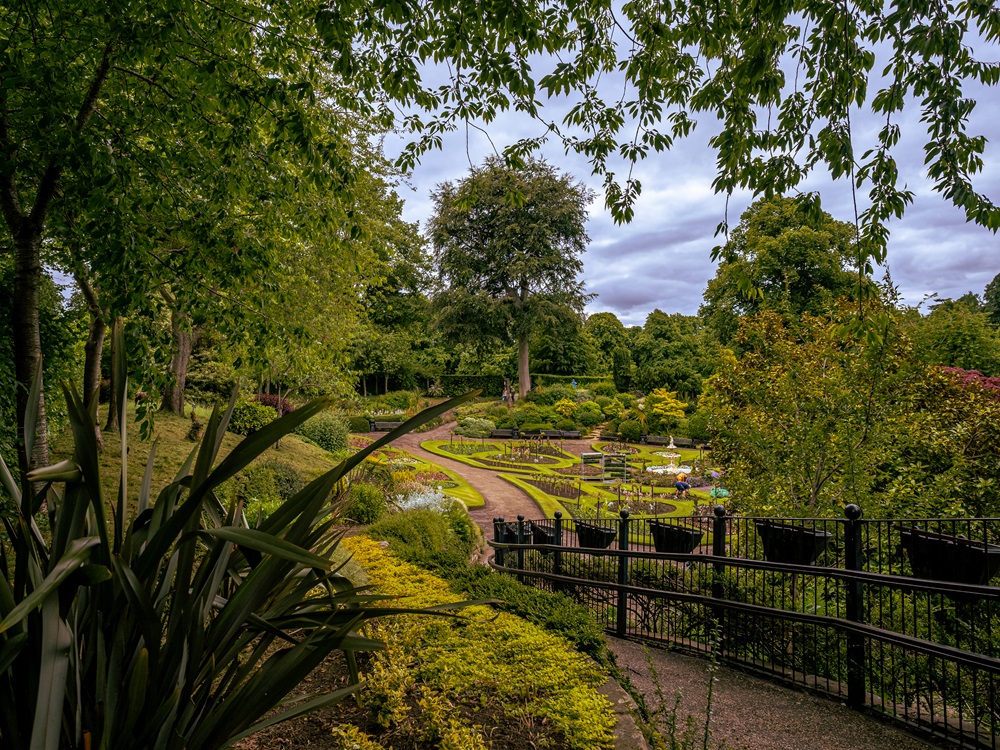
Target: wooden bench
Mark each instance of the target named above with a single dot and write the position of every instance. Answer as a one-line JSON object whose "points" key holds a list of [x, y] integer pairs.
{"points": [[503, 433], [383, 426], [657, 440]]}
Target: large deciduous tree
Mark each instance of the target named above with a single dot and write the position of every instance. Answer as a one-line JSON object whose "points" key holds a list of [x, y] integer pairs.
{"points": [[508, 243], [781, 257]]}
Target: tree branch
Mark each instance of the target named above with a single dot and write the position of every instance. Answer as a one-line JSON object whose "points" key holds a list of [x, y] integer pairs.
{"points": [[53, 171]]}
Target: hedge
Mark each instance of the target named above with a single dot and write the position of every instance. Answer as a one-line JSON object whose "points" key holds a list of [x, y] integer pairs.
{"points": [[456, 385]]}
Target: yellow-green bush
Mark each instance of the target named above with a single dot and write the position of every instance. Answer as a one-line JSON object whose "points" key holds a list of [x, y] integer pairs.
{"points": [[434, 667]]}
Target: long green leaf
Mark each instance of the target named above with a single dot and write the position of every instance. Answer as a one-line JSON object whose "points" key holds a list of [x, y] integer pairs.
{"points": [[31, 411], [56, 641], [7, 480], [76, 555], [269, 544], [299, 710]]}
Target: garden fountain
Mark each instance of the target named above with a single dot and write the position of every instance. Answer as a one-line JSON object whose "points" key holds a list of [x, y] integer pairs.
{"points": [[672, 455]]}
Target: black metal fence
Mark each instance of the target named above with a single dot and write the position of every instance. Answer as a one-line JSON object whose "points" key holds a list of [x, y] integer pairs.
{"points": [[894, 616]]}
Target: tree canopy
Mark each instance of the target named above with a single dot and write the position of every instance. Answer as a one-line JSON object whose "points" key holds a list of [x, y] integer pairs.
{"points": [[781, 257], [508, 244]]}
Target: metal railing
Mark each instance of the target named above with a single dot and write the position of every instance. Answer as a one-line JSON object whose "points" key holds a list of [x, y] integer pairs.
{"points": [[892, 616]]}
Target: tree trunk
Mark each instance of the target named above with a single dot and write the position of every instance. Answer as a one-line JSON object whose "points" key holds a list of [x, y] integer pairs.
{"points": [[523, 374], [28, 343], [112, 424], [183, 340]]}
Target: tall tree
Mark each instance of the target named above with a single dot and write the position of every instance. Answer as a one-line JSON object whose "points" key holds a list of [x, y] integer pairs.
{"points": [[508, 244], [781, 257]]}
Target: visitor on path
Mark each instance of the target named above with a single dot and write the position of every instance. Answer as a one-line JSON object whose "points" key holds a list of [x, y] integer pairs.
{"points": [[681, 486]]}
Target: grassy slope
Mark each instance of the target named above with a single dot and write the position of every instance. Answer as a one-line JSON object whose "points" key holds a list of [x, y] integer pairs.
{"points": [[172, 449]]}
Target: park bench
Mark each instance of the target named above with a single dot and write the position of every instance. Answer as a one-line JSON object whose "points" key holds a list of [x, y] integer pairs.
{"points": [[605, 435], [383, 426], [503, 433], [571, 434], [657, 440]]}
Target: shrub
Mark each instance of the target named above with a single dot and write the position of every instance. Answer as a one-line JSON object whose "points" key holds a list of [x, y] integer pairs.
{"points": [[566, 424], [630, 430], [358, 423], [250, 416], [328, 430], [276, 402], [588, 414], [605, 388], [365, 504], [501, 667], [475, 427], [287, 480], [603, 401], [507, 422], [400, 400], [549, 395], [554, 612], [537, 426], [427, 538], [565, 407]]}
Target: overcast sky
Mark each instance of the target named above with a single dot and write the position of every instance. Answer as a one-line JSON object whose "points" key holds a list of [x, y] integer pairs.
{"points": [[662, 258]]}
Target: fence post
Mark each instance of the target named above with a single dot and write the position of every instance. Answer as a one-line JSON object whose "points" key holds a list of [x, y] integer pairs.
{"points": [[855, 599], [557, 557], [620, 625], [498, 536], [520, 550], [719, 550]]}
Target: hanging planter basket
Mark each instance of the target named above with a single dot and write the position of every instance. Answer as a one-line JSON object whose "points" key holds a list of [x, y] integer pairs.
{"points": [[791, 543], [596, 537], [671, 537], [943, 557]]}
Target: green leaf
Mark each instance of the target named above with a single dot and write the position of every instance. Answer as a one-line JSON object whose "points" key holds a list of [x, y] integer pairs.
{"points": [[268, 544]]}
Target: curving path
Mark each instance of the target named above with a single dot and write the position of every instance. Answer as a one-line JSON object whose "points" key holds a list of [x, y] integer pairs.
{"points": [[502, 498]]}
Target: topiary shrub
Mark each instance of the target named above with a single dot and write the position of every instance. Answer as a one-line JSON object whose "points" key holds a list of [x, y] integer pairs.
{"points": [[365, 504], [358, 423], [506, 422], [630, 431], [475, 427], [566, 424], [328, 430], [250, 416], [276, 402]]}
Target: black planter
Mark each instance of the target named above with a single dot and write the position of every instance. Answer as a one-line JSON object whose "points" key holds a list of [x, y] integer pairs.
{"points": [[508, 533], [790, 543], [597, 537], [671, 537], [542, 535], [942, 557]]}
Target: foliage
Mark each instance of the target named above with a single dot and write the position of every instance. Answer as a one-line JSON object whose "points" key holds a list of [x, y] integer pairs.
{"points": [[604, 388], [488, 662], [261, 487], [782, 257], [675, 352], [630, 430], [475, 427], [83, 632], [280, 405], [550, 395], [565, 407], [356, 423], [508, 243], [250, 416], [955, 334], [455, 385], [665, 411], [555, 612], [365, 504], [430, 539], [588, 414], [328, 430], [804, 417]]}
